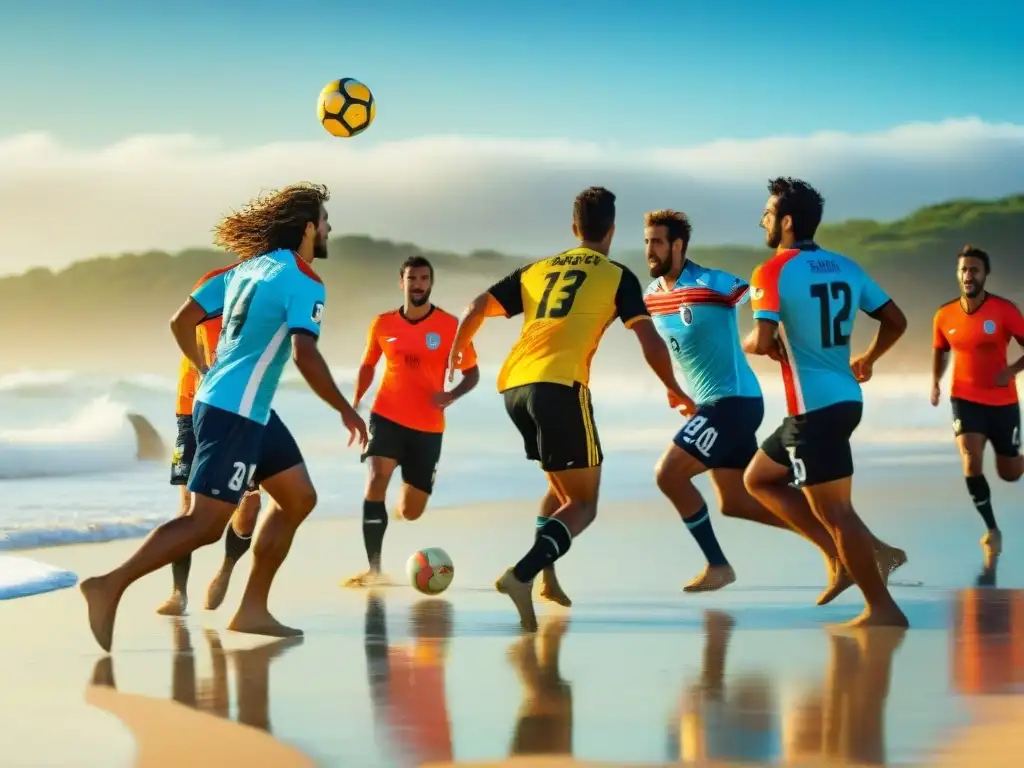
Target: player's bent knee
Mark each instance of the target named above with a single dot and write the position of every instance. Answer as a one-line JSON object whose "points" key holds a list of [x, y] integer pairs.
{"points": [[674, 466], [1010, 469]]}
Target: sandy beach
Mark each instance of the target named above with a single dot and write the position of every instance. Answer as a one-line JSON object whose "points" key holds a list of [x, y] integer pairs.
{"points": [[635, 674]]}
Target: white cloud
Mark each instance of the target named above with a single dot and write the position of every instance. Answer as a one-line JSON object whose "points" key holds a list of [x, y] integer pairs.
{"points": [[59, 203]]}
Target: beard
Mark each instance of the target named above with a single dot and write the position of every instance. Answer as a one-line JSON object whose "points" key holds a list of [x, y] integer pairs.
{"points": [[320, 249], [418, 300], [660, 269], [973, 290], [773, 237]]}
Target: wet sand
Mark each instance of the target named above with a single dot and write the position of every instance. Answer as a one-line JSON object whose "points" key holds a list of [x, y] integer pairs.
{"points": [[635, 673]]}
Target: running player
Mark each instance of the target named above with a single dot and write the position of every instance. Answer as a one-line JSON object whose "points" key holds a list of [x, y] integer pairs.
{"points": [[273, 303], [567, 302], [805, 301], [238, 537], [407, 418], [694, 311], [978, 327]]}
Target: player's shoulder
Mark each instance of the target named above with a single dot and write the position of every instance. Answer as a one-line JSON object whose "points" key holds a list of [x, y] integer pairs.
{"points": [[774, 264], [947, 306], [292, 266], [1003, 303], [214, 273], [443, 316]]}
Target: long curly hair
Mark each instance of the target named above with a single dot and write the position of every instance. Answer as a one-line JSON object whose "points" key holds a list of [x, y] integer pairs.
{"points": [[272, 221]]}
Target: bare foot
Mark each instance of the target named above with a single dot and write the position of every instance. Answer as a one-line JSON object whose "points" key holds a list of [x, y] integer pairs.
{"points": [[218, 589], [889, 559], [992, 543], [261, 623], [892, 617], [839, 583], [551, 590], [175, 605], [102, 600], [521, 596], [369, 578], [711, 578]]}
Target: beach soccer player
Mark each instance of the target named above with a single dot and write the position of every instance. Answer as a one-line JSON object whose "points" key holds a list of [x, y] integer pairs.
{"points": [[238, 536], [978, 328], [805, 301], [272, 302], [406, 424], [567, 302], [694, 310]]}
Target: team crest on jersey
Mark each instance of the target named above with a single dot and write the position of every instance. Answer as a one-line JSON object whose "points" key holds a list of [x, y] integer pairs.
{"points": [[433, 340], [674, 344], [687, 315], [318, 312], [757, 293], [989, 327]]}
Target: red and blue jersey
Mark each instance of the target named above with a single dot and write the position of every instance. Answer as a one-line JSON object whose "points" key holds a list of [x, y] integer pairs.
{"points": [[814, 296]]}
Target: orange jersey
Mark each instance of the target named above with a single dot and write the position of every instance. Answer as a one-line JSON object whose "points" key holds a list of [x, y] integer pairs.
{"points": [[416, 354], [207, 333], [979, 342], [418, 705]]}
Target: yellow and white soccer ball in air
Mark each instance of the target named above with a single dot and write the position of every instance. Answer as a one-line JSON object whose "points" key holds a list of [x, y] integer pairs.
{"points": [[430, 570], [346, 107]]}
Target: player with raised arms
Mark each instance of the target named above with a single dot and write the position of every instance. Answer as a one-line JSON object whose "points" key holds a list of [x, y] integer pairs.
{"points": [[273, 304], [238, 536], [694, 310], [567, 302], [978, 328], [407, 422], [805, 301]]}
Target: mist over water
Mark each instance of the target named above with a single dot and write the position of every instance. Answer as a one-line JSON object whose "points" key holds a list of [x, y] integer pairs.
{"points": [[67, 451]]}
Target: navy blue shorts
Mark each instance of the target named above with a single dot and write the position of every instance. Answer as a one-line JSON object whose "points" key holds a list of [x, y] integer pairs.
{"points": [[723, 434], [234, 454], [184, 451]]}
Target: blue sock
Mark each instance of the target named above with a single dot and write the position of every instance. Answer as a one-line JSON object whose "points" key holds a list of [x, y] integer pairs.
{"points": [[700, 528]]}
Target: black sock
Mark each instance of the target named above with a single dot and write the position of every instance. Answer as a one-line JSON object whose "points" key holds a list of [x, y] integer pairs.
{"points": [[234, 545], [700, 528], [982, 498], [375, 522], [179, 571], [553, 541], [541, 522]]}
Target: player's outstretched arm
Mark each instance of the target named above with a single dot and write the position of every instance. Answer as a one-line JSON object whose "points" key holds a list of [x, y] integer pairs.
{"points": [[183, 326], [315, 371], [503, 299], [660, 360]]}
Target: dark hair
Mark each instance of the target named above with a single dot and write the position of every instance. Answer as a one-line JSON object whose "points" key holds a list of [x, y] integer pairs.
{"points": [[594, 213], [272, 221], [676, 223], [971, 252], [415, 262], [801, 202]]}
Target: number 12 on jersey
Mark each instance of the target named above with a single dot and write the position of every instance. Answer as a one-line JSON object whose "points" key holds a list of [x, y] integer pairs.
{"points": [[832, 326], [568, 283]]}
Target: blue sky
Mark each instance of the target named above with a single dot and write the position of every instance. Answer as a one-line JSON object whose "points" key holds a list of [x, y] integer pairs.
{"points": [[630, 73]]}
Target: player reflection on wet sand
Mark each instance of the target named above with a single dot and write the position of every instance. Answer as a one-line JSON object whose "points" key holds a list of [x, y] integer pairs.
{"points": [[845, 721], [716, 721], [544, 721], [210, 695], [407, 682], [987, 642]]}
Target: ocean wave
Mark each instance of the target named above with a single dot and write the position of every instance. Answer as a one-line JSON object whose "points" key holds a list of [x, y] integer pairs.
{"points": [[101, 437], [60, 533]]}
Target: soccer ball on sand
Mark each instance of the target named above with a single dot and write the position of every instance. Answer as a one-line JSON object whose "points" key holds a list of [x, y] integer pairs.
{"points": [[430, 570]]}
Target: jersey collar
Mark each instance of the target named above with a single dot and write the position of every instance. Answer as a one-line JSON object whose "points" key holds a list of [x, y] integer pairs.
{"points": [[581, 249], [802, 245]]}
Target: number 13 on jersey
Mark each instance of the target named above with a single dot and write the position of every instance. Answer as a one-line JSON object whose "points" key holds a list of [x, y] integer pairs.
{"points": [[559, 292]]}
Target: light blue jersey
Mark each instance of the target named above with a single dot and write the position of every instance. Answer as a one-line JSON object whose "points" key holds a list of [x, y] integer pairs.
{"points": [[263, 300], [697, 319], [814, 296]]}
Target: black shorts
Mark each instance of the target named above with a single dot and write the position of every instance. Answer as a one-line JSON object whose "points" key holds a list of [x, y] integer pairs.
{"points": [[184, 451], [816, 445], [235, 454], [723, 434], [557, 425], [417, 453], [999, 424]]}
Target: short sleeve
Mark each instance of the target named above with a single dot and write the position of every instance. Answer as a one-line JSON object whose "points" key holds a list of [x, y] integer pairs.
{"points": [[305, 308], [1015, 322], [210, 295], [629, 299], [764, 291], [508, 292], [939, 340], [467, 359], [872, 297], [373, 351]]}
